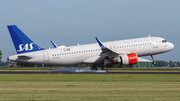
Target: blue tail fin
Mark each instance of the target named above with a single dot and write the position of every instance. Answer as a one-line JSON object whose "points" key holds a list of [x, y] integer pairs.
{"points": [[22, 43]]}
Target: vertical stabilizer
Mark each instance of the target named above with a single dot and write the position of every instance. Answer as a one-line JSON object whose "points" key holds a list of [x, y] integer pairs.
{"points": [[22, 43]]}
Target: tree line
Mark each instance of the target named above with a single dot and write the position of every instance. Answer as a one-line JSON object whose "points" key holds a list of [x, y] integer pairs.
{"points": [[161, 63]]}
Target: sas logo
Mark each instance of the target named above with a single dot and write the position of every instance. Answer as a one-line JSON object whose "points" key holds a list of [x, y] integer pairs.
{"points": [[26, 47]]}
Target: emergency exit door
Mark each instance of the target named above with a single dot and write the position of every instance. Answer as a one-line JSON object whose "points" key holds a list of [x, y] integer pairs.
{"points": [[46, 56], [155, 44]]}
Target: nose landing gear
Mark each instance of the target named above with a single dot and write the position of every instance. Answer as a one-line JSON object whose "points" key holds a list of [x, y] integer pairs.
{"points": [[154, 62]]}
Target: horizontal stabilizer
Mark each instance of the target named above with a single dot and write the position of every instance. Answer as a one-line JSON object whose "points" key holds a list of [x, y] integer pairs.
{"points": [[24, 57]]}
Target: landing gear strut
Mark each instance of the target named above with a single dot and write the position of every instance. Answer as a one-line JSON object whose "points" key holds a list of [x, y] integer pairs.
{"points": [[154, 62], [104, 68], [106, 61]]}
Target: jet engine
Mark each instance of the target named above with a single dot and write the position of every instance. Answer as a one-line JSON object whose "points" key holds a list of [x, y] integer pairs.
{"points": [[128, 59]]}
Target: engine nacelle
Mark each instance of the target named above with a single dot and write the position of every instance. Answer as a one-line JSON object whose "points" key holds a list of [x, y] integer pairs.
{"points": [[128, 59]]}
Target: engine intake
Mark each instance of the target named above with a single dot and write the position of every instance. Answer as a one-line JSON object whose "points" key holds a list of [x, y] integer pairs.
{"points": [[128, 59]]}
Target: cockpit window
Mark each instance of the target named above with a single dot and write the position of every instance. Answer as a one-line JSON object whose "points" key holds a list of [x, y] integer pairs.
{"points": [[164, 41]]}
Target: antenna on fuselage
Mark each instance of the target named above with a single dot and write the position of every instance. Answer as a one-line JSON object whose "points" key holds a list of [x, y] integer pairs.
{"points": [[149, 36]]}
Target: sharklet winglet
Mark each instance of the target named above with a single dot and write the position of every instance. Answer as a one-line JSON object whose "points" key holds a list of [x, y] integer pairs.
{"points": [[99, 42], [55, 46]]}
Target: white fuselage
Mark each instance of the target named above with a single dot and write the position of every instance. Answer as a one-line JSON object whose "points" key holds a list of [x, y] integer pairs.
{"points": [[89, 53]]}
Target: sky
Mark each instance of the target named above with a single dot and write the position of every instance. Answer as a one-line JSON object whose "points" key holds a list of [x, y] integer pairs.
{"points": [[68, 22]]}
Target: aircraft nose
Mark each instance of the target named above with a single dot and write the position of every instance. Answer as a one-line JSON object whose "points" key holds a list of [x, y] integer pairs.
{"points": [[171, 46]]}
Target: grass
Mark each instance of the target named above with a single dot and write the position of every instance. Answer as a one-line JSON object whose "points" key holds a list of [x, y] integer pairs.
{"points": [[144, 70], [90, 87]]}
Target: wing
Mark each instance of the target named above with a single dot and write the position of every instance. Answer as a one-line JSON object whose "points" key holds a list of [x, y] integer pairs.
{"points": [[106, 52], [143, 60]]}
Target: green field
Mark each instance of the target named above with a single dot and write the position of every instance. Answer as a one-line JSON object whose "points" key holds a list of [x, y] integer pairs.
{"points": [[90, 87]]}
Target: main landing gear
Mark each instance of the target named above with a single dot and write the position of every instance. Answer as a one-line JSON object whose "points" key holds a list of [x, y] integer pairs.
{"points": [[104, 68], [94, 68], [106, 61], [154, 62]]}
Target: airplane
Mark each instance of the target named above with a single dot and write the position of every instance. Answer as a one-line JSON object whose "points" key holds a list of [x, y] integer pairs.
{"points": [[123, 52]]}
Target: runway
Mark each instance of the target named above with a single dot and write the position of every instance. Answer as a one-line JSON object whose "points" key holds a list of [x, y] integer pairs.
{"points": [[56, 72]]}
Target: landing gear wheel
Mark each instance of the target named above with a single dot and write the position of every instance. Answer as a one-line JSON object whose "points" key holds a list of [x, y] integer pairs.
{"points": [[154, 62], [106, 69]]}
